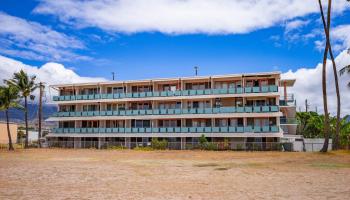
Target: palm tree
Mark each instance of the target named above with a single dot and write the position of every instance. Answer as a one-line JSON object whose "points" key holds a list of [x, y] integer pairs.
{"points": [[326, 28], [324, 86], [9, 99], [345, 69], [26, 85]]}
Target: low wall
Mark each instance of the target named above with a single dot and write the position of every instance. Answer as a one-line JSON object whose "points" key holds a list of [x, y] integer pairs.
{"points": [[316, 144]]}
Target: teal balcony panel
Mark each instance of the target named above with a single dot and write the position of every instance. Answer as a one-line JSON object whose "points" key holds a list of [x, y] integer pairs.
{"points": [[216, 129], [274, 129], [200, 92], [248, 129], [177, 93], [121, 95], [90, 130], [177, 130], [102, 130], [257, 129], [155, 130], [185, 111], [134, 130], [231, 91], [97, 96], [134, 112], [264, 89], [256, 89], [83, 130], [71, 130], [207, 129], [163, 93], [148, 130], [65, 130], [109, 130], [96, 113], [149, 94], [224, 129], [232, 129], [128, 95], [79, 97], [91, 97], [142, 130], [142, 112], [128, 112], [142, 94], [240, 129], [156, 111], [177, 111], [193, 92], [149, 112], [223, 91], [103, 96], [127, 130], [200, 129], [96, 130], [120, 112], [120, 130], [265, 109], [193, 129], [170, 93], [207, 91], [239, 90], [265, 129], [67, 98], [240, 109], [103, 113], [171, 111], [185, 130], [116, 96], [215, 91], [72, 114], [136, 95], [170, 130], [193, 111], [163, 111], [163, 130], [56, 98], [77, 130], [248, 89], [85, 96], [200, 111], [216, 110], [257, 109], [109, 113], [156, 94], [248, 109], [185, 93], [274, 108], [273, 88], [208, 110], [65, 114]]}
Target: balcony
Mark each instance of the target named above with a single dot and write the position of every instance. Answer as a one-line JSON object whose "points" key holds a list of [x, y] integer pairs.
{"points": [[263, 89], [286, 121], [238, 129], [287, 101], [246, 109]]}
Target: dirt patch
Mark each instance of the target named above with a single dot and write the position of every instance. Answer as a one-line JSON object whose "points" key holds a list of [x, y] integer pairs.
{"points": [[126, 174]]}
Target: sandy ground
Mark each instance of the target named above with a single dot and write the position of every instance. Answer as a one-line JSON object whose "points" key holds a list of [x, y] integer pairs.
{"points": [[125, 174]]}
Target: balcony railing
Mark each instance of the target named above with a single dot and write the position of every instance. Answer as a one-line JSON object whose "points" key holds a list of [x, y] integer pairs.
{"points": [[290, 101], [238, 129], [245, 109], [263, 89], [284, 120]]}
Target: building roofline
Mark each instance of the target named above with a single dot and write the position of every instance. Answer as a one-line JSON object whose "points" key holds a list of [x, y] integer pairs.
{"points": [[165, 79]]}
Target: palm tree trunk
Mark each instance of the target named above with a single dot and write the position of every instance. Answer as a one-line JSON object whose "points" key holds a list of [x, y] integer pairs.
{"points": [[326, 28], [26, 121], [8, 131], [324, 79]]}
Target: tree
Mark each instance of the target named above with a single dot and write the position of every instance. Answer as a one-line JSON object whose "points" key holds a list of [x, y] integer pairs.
{"points": [[324, 78], [26, 85], [345, 69], [326, 28], [9, 99]]}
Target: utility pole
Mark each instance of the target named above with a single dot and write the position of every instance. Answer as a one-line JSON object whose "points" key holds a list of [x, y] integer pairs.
{"points": [[306, 105], [113, 75], [196, 70], [41, 87]]}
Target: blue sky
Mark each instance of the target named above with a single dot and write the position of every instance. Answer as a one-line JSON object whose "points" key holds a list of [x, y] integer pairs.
{"points": [[147, 54]]}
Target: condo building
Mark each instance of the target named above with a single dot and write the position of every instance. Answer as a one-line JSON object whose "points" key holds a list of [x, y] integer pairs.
{"points": [[239, 109]]}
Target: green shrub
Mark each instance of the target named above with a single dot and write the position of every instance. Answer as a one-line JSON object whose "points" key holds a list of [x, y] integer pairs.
{"points": [[211, 146], [143, 149], [159, 144], [117, 147]]}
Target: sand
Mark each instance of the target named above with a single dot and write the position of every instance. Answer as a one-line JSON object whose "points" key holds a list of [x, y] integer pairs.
{"points": [[127, 174]]}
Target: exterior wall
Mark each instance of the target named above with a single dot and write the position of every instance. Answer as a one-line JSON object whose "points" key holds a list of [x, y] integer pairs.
{"points": [[3, 133]]}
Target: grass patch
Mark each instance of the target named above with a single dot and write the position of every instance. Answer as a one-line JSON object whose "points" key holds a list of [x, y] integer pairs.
{"points": [[222, 168], [331, 165]]}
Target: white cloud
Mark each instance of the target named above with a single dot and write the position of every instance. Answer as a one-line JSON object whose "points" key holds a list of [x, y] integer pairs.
{"points": [[33, 41], [308, 85], [341, 36], [181, 16], [49, 73], [295, 24]]}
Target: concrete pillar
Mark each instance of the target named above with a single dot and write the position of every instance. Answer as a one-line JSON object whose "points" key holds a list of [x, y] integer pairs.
{"points": [[128, 142], [183, 143], [101, 141]]}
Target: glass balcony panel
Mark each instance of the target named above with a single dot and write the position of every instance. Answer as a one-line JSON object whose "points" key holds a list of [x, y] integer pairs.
{"points": [[149, 94], [67, 98], [257, 129], [128, 95], [193, 92], [207, 129], [142, 94], [156, 111], [224, 129], [72, 114], [200, 92], [185, 92], [216, 110], [200, 110], [121, 95], [248, 89], [96, 113], [200, 129], [83, 130], [142, 130], [148, 130], [91, 96], [223, 91], [96, 130], [156, 94], [85, 97], [163, 130], [193, 111], [216, 129], [135, 112], [193, 129], [142, 112], [120, 130], [170, 93], [177, 129], [248, 129], [231, 91], [265, 129], [274, 108], [184, 129], [163, 111], [149, 112], [163, 93], [256, 89], [185, 111], [215, 91], [170, 130], [232, 129], [264, 89], [248, 109], [177, 93], [128, 112], [71, 130], [273, 88], [61, 98], [239, 90], [257, 109], [208, 110], [77, 130], [239, 109], [155, 130], [135, 95], [127, 130], [109, 113], [171, 111], [97, 96], [79, 97], [108, 130], [265, 109], [102, 130], [207, 91], [177, 111], [274, 129], [90, 130], [56, 98]]}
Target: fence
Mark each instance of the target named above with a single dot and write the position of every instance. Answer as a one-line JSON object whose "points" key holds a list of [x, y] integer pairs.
{"points": [[244, 146]]}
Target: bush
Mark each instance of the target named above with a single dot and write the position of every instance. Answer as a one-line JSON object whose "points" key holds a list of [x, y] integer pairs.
{"points": [[203, 142], [159, 144], [143, 149], [117, 147], [211, 146]]}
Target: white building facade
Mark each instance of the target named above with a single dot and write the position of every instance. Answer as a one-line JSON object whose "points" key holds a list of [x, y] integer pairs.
{"points": [[239, 109]]}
